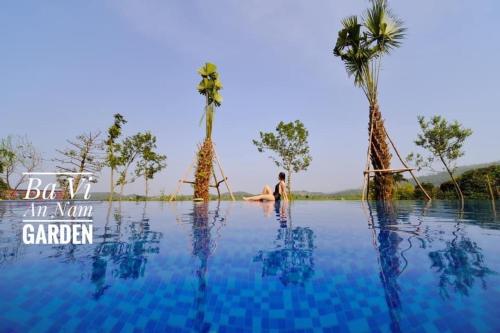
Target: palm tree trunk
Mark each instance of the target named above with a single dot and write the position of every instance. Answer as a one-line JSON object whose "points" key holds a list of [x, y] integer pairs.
{"points": [[380, 155], [204, 170]]}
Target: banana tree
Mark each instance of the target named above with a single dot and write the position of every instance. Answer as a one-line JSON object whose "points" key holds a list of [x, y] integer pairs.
{"points": [[209, 86], [361, 45]]}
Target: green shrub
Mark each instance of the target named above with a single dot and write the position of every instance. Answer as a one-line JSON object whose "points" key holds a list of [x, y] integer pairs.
{"points": [[428, 187], [404, 191], [473, 184]]}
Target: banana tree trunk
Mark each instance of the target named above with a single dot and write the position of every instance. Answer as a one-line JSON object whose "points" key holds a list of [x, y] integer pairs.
{"points": [[380, 155]]}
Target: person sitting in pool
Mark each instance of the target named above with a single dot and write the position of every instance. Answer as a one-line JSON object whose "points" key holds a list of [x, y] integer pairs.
{"points": [[280, 192]]}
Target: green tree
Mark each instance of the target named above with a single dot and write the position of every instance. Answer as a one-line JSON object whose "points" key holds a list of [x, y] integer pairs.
{"points": [[131, 150], [209, 86], [289, 145], [150, 163], [476, 183], [361, 46], [444, 141], [19, 156], [113, 160], [6, 157]]}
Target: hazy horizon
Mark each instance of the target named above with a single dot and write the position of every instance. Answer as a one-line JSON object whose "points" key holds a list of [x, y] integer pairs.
{"points": [[68, 67]]}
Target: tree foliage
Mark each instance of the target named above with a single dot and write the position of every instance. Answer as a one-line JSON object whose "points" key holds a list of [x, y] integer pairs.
{"points": [[5, 157], [444, 141], [361, 43], [131, 149], [17, 156], [112, 146], [474, 183], [209, 86], [150, 162], [113, 160], [289, 145]]}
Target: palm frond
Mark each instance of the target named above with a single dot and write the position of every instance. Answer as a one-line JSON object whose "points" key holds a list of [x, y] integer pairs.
{"points": [[383, 27], [361, 45], [351, 48]]}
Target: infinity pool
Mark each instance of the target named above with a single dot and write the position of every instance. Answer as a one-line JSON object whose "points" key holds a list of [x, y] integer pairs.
{"points": [[236, 267]]}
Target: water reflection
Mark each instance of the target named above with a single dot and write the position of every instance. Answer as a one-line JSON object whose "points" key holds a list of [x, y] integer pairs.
{"points": [[387, 243], [458, 264], [205, 231], [291, 259], [12, 247], [122, 251]]}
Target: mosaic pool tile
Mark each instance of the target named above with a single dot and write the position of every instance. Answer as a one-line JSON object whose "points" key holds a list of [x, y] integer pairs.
{"points": [[330, 267]]}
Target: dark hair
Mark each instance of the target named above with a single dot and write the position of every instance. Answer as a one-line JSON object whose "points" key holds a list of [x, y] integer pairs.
{"points": [[282, 176]]}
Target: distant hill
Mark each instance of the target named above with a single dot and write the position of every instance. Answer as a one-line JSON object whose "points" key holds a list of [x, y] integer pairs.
{"points": [[436, 179], [100, 196], [349, 192], [441, 177], [238, 194], [355, 193], [341, 195]]}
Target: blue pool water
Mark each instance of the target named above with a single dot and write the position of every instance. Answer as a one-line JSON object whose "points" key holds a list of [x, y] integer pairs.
{"points": [[236, 267]]}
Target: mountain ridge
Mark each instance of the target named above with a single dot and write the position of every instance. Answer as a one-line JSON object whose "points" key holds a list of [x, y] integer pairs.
{"points": [[436, 179]]}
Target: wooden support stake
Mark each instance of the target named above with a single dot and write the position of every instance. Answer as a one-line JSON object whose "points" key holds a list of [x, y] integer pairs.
{"points": [[182, 180], [223, 176], [366, 182], [490, 189], [388, 170], [406, 166], [216, 181], [492, 195], [368, 170]]}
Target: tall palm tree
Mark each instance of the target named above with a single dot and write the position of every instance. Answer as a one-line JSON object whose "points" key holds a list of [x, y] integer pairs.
{"points": [[361, 46], [209, 86]]}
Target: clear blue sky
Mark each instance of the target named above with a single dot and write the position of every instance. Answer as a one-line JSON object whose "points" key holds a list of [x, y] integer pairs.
{"points": [[66, 67]]}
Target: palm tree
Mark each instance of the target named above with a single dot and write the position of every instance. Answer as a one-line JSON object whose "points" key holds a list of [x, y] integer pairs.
{"points": [[361, 47], [209, 86]]}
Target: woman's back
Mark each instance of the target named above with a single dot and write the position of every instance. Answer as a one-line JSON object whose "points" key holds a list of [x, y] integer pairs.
{"points": [[277, 195]]}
